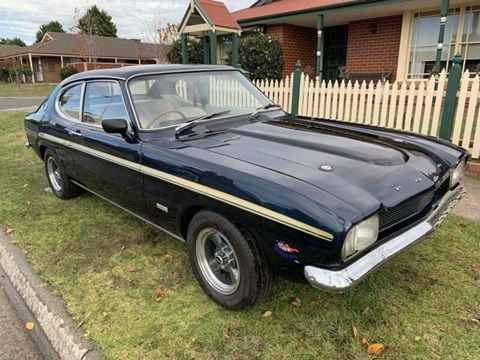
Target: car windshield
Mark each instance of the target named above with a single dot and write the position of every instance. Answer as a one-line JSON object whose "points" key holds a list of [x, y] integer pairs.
{"points": [[173, 99]]}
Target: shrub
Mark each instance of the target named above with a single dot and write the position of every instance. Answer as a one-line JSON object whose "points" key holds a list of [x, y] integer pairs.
{"points": [[67, 71], [261, 56], [195, 52]]}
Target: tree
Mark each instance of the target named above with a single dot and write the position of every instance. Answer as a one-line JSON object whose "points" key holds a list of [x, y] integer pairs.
{"points": [[195, 52], [96, 22], [52, 26], [15, 41], [160, 32], [261, 56]]}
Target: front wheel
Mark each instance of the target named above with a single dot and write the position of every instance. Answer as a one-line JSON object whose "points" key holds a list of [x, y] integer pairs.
{"points": [[61, 185], [226, 262]]}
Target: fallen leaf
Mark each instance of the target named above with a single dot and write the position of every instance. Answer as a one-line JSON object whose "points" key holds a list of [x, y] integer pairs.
{"points": [[267, 314], [475, 321], [159, 295], [30, 325], [365, 342], [25, 185], [131, 268], [8, 231], [355, 332], [296, 302], [476, 270], [123, 247], [168, 257], [28, 202], [104, 314], [418, 338], [366, 311], [225, 335], [375, 349]]}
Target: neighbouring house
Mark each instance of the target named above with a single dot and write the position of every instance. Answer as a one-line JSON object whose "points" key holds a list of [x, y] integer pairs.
{"points": [[84, 52], [399, 39]]}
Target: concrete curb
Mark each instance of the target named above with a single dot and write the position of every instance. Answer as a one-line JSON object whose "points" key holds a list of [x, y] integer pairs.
{"points": [[64, 334]]}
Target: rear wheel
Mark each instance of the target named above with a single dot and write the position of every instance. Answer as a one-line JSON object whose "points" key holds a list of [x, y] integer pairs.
{"points": [[226, 262], [59, 182]]}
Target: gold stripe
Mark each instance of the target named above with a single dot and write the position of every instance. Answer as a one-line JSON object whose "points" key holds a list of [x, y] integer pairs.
{"points": [[198, 188]]}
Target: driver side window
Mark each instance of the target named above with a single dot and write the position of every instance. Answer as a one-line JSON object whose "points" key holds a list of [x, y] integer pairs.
{"points": [[103, 101]]}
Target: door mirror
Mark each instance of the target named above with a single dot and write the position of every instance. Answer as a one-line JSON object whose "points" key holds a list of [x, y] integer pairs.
{"points": [[115, 126]]}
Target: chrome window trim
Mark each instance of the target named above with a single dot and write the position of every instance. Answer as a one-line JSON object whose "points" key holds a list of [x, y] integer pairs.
{"points": [[60, 94], [115, 81]]}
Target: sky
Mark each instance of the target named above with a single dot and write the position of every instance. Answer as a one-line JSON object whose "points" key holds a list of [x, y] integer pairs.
{"points": [[22, 18]]}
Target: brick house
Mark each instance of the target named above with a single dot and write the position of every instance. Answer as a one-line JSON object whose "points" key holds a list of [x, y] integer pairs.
{"points": [[57, 50], [404, 38]]}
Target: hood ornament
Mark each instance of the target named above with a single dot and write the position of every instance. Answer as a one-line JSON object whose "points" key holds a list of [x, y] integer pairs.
{"points": [[326, 167]]}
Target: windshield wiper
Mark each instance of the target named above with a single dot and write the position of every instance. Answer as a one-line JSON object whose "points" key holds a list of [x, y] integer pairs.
{"points": [[255, 114], [196, 121]]}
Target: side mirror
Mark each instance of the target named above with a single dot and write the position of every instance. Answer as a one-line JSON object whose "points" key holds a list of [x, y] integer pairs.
{"points": [[115, 126]]}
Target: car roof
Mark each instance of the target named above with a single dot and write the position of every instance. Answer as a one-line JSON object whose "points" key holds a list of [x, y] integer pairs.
{"points": [[127, 72]]}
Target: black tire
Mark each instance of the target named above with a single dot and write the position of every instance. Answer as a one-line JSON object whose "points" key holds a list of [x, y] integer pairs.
{"points": [[61, 185], [227, 262]]}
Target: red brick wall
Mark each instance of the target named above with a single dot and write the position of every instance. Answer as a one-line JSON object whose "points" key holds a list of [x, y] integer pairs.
{"points": [[298, 43], [374, 53], [51, 69]]}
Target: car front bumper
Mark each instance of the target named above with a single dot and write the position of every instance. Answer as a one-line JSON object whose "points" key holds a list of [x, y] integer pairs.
{"points": [[343, 279]]}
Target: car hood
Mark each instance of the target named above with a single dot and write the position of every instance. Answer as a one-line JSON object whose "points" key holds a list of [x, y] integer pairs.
{"points": [[364, 171]]}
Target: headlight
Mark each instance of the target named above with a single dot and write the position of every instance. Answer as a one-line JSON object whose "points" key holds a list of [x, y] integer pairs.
{"points": [[360, 237], [457, 174]]}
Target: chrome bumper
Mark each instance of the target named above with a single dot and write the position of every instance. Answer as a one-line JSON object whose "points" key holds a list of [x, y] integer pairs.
{"points": [[341, 280]]}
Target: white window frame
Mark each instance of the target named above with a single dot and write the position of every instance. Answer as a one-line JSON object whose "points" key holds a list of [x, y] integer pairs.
{"points": [[407, 34]]}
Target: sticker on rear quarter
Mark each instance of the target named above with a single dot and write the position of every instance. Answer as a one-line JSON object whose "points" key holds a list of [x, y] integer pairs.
{"points": [[286, 251]]}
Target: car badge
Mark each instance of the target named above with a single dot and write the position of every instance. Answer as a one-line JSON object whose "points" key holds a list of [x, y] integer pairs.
{"points": [[417, 180], [326, 167]]}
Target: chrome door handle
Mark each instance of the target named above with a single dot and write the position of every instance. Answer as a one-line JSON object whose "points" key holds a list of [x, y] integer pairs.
{"points": [[75, 133]]}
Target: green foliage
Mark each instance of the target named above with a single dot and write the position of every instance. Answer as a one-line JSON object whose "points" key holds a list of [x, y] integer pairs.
{"points": [[96, 22], [52, 26], [195, 52], [67, 71], [261, 56], [15, 41]]}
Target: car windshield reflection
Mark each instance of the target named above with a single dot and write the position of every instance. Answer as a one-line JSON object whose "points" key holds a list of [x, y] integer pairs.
{"points": [[174, 99]]}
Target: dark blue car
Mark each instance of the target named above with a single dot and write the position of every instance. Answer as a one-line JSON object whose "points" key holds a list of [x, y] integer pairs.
{"points": [[200, 153]]}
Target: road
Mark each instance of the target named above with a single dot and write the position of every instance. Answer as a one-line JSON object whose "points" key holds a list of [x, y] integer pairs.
{"points": [[24, 104]]}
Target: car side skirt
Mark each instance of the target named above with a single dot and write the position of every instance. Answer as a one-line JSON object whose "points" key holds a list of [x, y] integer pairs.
{"points": [[130, 212]]}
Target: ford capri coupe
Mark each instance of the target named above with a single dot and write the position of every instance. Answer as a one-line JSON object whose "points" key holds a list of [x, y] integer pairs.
{"points": [[202, 154]]}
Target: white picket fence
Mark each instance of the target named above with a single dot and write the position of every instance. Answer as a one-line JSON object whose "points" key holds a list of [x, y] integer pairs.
{"points": [[409, 105]]}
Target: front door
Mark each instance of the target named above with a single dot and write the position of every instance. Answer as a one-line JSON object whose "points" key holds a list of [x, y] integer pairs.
{"points": [[334, 51], [107, 164]]}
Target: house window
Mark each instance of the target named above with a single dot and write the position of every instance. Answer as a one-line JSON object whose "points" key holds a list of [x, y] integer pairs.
{"points": [[462, 35], [470, 41]]}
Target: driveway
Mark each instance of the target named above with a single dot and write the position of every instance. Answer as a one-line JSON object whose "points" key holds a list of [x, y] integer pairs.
{"points": [[25, 104]]}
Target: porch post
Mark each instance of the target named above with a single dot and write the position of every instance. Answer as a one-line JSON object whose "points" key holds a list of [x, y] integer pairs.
{"points": [[319, 69], [450, 107], [184, 49], [213, 48], [235, 50], [206, 50], [441, 33], [31, 67]]}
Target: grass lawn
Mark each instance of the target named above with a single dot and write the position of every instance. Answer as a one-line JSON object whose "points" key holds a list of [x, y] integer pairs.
{"points": [[132, 288], [25, 90]]}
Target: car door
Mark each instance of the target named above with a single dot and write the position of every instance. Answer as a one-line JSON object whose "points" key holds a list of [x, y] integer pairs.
{"points": [[107, 164], [65, 117]]}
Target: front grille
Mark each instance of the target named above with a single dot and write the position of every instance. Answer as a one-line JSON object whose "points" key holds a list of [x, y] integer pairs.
{"points": [[405, 210]]}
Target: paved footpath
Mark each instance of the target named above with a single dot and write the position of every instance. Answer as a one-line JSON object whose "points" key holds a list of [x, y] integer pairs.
{"points": [[469, 207], [26, 104]]}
